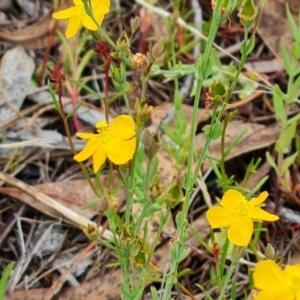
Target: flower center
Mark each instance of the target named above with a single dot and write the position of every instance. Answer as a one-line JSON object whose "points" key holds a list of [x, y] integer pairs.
{"points": [[102, 128], [244, 208]]}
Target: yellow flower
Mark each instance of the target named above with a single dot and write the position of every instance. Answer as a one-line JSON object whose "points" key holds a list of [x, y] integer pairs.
{"points": [[237, 214], [275, 283], [115, 141], [77, 15]]}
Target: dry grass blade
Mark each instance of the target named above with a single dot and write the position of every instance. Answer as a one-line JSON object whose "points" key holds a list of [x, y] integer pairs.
{"points": [[63, 210]]}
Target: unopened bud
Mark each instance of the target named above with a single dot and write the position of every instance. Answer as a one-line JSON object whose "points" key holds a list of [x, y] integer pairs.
{"points": [[270, 252], [157, 49], [151, 144], [248, 12], [113, 201], [134, 24], [123, 47], [216, 93], [226, 8]]}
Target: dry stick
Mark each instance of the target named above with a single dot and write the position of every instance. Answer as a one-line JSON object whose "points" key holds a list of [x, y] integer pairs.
{"points": [[48, 201], [61, 280]]}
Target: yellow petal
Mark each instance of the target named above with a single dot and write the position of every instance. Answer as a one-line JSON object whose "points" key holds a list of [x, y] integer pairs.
{"points": [[86, 136], [257, 213], [88, 23], [219, 217], [65, 13], [122, 127], [240, 231], [292, 277], [73, 26], [102, 6], [268, 276], [99, 158], [88, 150], [231, 200], [99, 17], [78, 2], [259, 200], [275, 295], [120, 152], [292, 272]]}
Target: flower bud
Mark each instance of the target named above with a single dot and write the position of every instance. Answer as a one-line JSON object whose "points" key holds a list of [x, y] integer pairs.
{"points": [[217, 93], [123, 47], [270, 252], [157, 49], [134, 24], [247, 14], [142, 111], [151, 144], [226, 8]]}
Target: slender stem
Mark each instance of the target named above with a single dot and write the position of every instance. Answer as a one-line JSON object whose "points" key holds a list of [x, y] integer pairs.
{"points": [[222, 159], [172, 275], [126, 100], [217, 120], [226, 282], [106, 100], [130, 183]]}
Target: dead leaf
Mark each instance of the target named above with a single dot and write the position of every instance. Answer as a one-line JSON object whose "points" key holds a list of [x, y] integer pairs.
{"points": [[257, 137], [106, 287], [74, 194], [273, 27], [37, 36]]}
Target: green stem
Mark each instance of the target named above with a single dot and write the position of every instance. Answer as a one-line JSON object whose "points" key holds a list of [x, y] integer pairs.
{"points": [[130, 182], [125, 97], [227, 280], [172, 275], [217, 121]]}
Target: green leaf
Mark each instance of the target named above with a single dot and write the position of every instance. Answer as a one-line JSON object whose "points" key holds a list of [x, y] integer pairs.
{"points": [[271, 162], [288, 161], [154, 293], [66, 65], [4, 279], [216, 131], [200, 287], [83, 63], [88, 89], [203, 69], [250, 46], [295, 53], [278, 102], [286, 59], [293, 91], [54, 100], [258, 186], [70, 114], [215, 168], [288, 134], [233, 288], [184, 254], [235, 142], [294, 119], [292, 24]]}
